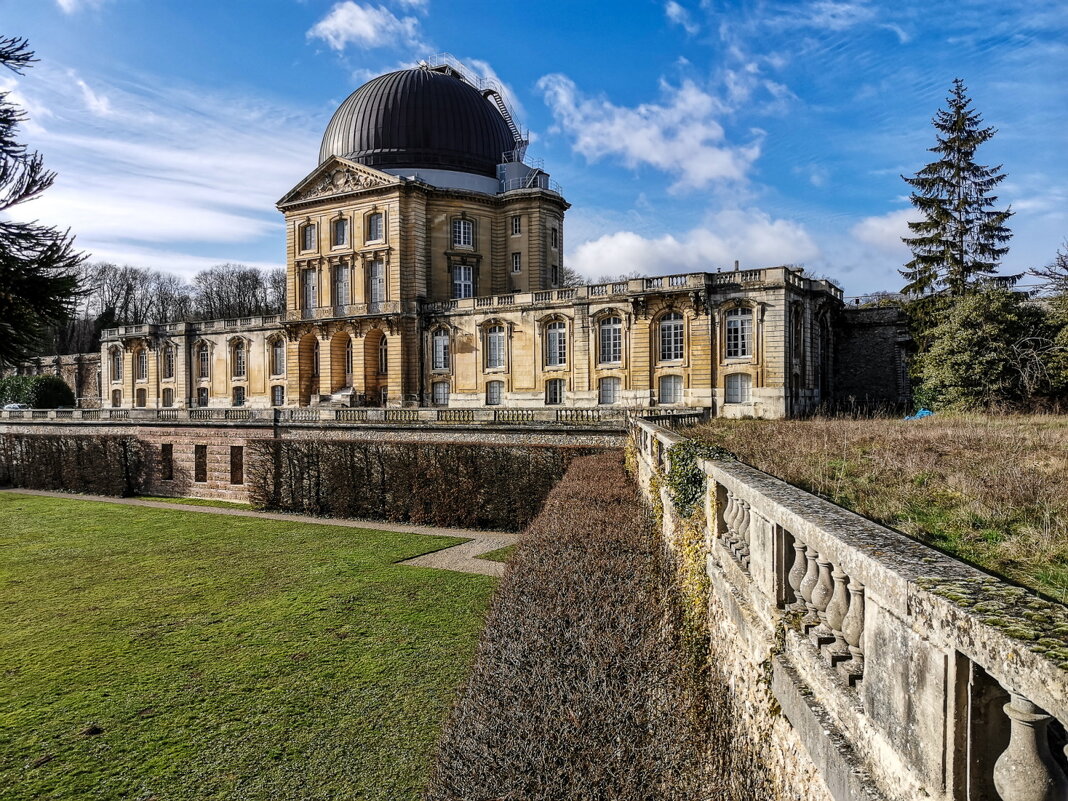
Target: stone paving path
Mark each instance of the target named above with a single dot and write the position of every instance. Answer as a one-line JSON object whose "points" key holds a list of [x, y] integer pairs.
{"points": [[460, 558]]}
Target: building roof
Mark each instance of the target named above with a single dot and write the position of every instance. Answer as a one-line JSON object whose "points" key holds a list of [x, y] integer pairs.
{"points": [[419, 118]]}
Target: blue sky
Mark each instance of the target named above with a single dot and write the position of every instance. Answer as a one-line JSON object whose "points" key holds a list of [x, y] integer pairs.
{"points": [[685, 134]]}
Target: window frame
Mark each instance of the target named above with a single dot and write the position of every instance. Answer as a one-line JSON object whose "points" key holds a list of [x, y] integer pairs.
{"points": [[373, 220], [676, 380], [517, 262], [494, 389], [276, 391], [203, 362], [239, 359], [671, 333], [376, 281], [203, 398], [517, 224], [494, 332], [167, 400], [342, 285], [739, 333], [439, 393], [342, 224], [556, 344], [168, 362], [741, 391], [238, 397], [278, 348], [141, 364], [462, 234], [116, 364], [459, 283], [605, 381], [555, 391], [307, 232], [614, 330], [440, 356]]}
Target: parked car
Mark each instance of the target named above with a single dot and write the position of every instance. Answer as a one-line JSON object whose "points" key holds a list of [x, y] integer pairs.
{"points": [[15, 407]]}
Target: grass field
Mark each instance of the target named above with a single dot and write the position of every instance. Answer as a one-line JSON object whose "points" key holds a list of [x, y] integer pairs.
{"points": [[169, 654], [195, 502], [499, 555], [989, 489]]}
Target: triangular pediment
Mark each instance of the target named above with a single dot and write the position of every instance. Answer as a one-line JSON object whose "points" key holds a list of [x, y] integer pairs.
{"points": [[336, 176]]}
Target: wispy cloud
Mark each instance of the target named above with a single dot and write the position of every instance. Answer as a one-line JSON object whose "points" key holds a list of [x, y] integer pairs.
{"points": [[97, 104], [681, 17], [681, 136], [366, 26], [826, 15], [71, 6]]}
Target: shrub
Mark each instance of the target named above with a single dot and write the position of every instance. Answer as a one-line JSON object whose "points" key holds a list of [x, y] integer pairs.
{"points": [[685, 480], [581, 688], [102, 465], [36, 391], [471, 486]]}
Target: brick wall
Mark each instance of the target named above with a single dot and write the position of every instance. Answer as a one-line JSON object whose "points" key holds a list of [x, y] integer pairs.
{"points": [[871, 359]]}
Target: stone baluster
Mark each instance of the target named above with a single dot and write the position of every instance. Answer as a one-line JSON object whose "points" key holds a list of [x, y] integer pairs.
{"points": [[1026, 770], [836, 612], [853, 631], [808, 585], [728, 520], [743, 535], [797, 574], [821, 597]]}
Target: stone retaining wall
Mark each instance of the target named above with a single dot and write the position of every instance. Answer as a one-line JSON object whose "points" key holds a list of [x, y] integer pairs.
{"points": [[902, 672]]}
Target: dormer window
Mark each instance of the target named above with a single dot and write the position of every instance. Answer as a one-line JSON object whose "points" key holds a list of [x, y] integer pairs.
{"points": [[341, 232], [375, 232], [463, 234], [307, 237]]}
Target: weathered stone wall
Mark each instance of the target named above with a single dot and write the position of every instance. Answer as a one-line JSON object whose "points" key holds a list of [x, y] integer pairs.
{"points": [[871, 361], [81, 371]]}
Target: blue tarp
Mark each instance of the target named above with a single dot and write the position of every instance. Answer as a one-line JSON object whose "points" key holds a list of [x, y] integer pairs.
{"points": [[922, 413]]}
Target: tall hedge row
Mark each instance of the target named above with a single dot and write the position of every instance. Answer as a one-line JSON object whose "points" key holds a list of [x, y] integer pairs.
{"points": [[446, 484], [583, 686], [102, 465]]}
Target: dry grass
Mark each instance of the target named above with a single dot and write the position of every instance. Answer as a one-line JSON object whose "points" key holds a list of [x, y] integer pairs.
{"points": [[990, 490]]}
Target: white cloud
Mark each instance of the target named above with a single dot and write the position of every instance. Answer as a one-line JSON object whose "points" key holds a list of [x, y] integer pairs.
{"points": [[71, 6], [883, 232], [680, 136], [749, 235], [366, 26], [827, 15], [96, 103], [680, 16]]}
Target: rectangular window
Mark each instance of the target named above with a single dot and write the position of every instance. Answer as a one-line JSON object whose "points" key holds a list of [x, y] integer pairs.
{"points": [[377, 280], [142, 365], [342, 293], [463, 281], [374, 227], [310, 295], [278, 357], [141, 397], [671, 389], [440, 393], [278, 395], [556, 345], [608, 391], [440, 356], [202, 397], [494, 390], [739, 387], [200, 463], [463, 234], [168, 363], [203, 362], [556, 238], [166, 462], [239, 396], [671, 337], [116, 398], [168, 398], [611, 341], [554, 391], [341, 232], [555, 275], [307, 237], [739, 333], [239, 361], [237, 464], [517, 225], [517, 262], [495, 347]]}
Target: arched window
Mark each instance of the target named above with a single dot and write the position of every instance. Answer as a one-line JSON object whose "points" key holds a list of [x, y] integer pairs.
{"points": [[440, 347], [383, 357], [495, 347], [611, 340], [348, 361], [494, 390], [439, 394], [142, 364], [739, 333], [168, 398], [739, 388], [554, 391], [671, 389], [116, 364], [168, 362], [341, 232], [278, 357], [375, 229], [671, 337], [203, 361], [315, 358], [237, 356], [556, 344], [608, 390]]}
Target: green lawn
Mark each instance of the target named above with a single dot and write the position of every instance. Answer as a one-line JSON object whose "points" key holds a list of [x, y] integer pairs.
{"points": [[499, 555], [168, 654], [195, 502]]}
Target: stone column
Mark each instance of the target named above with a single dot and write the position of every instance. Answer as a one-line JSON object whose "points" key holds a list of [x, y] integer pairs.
{"points": [[1026, 770]]}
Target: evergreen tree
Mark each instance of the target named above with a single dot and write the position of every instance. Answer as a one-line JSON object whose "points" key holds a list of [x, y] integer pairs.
{"points": [[960, 239], [38, 280]]}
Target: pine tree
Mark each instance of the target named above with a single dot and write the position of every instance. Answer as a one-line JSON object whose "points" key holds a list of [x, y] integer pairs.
{"points": [[960, 239], [38, 280]]}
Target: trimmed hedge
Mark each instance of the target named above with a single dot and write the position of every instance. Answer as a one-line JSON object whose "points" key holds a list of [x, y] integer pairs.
{"points": [[36, 391], [469, 486], [101, 465], [584, 686]]}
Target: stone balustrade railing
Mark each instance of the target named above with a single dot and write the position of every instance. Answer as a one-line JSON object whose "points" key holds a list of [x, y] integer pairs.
{"points": [[906, 673]]}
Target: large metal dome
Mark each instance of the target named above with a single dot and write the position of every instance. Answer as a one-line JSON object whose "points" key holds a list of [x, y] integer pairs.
{"points": [[421, 118]]}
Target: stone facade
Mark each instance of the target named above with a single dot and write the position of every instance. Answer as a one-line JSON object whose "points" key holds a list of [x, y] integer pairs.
{"points": [[81, 372], [871, 364]]}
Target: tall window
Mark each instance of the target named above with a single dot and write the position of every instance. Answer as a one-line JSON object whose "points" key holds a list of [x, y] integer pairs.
{"points": [[341, 232], [278, 357], [376, 277], [307, 237], [517, 225], [440, 348], [554, 391], [611, 340], [556, 238], [168, 398], [383, 357], [440, 393], [239, 396], [116, 364], [671, 337], [671, 389], [238, 356], [739, 387], [142, 365], [342, 285], [556, 344], [310, 284], [203, 361], [608, 390], [141, 398], [278, 395], [463, 233], [202, 397], [739, 333], [116, 398], [315, 358], [168, 362], [517, 262], [495, 347], [554, 275], [348, 361], [374, 227], [463, 281], [494, 390]]}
